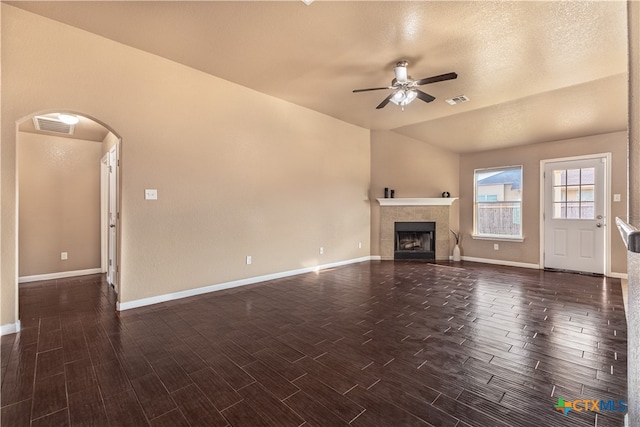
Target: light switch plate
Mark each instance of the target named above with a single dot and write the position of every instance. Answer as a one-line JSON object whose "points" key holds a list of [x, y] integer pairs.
{"points": [[151, 194], [616, 198]]}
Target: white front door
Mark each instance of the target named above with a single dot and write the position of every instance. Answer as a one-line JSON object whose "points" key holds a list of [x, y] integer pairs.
{"points": [[574, 215], [113, 217]]}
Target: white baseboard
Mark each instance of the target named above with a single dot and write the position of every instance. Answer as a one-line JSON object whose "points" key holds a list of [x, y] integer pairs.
{"points": [[375, 258], [526, 265], [234, 284], [60, 275], [502, 262], [10, 328]]}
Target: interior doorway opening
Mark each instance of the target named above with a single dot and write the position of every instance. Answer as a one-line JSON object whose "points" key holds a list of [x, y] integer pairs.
{"points": [[64, 228]]}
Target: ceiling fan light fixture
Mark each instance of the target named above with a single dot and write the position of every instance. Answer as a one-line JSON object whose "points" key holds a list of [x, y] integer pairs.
{"points": [[410, 96], [398, 97], [404, 97], [68, 119]]}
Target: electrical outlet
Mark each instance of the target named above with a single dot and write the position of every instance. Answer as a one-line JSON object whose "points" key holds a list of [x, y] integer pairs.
{"points": [[321, 250], [64, 255], [617, 198], [496, 246], [151, 194], [248, 259]]}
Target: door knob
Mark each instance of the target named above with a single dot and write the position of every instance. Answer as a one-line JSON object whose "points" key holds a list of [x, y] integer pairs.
{"points": [[114, 226], [598, 225]]}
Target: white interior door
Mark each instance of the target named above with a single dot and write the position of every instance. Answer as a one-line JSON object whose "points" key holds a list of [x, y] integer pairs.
{"points": [[574, 215], [113, 218]]}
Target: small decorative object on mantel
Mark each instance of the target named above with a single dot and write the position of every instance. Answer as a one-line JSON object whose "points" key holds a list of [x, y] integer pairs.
{"points": [[393, 194], [456, 248], [386, 193], [446, 194]]}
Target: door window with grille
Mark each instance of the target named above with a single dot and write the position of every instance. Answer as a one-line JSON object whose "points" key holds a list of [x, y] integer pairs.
{"points": [[573, 193]]}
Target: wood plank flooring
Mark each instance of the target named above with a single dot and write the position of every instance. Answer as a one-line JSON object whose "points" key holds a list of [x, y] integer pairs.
{"points": [[370, 344]]}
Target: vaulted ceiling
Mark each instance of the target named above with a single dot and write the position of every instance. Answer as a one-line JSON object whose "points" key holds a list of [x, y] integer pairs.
{"points": [[533, 71]]}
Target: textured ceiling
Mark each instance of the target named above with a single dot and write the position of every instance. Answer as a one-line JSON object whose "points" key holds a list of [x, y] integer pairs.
{"points": [[534, 71]]}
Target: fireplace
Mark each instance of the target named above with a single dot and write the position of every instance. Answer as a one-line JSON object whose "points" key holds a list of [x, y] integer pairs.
{"points": [[415, 240], [438, 210]]}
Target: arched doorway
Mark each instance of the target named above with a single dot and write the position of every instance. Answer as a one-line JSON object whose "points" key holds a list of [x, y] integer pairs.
{"points": [[68, 197]]}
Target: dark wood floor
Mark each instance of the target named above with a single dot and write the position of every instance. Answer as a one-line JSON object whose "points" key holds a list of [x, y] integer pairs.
{"points": [[371, 344]]}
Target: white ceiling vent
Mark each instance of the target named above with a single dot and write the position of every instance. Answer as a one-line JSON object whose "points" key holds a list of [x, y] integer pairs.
{"points": [[457, 100], [49, 124]]}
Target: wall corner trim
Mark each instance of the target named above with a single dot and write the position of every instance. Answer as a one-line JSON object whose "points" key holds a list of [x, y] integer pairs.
{"points": [[10, 328], [60, 275], [233, 284], [617, 275]]}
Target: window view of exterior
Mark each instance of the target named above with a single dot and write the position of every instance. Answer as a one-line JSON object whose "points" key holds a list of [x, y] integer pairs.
{"points": [[573, 193], [498, 202]]}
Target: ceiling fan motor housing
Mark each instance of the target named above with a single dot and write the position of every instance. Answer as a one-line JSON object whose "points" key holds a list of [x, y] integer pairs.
{"points": [[401, 71]]}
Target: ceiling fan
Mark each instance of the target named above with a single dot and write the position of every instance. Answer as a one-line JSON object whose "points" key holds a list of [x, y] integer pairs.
{"points": [[405, 89]]}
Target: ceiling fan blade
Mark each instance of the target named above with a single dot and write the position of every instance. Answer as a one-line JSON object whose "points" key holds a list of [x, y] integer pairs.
{"points": [[424, 96], [373, 88], [440, 78], [385, 101]]}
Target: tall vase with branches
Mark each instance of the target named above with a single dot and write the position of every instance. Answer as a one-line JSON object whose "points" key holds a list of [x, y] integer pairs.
{"points": [[456, 248]]}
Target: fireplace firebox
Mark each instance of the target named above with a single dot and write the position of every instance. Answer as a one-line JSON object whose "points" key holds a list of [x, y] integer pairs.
{"points": [[415, 240]]}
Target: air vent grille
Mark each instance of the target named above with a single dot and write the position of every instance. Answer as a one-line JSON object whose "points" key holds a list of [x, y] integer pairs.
{"points": [[48, 124], [457, 100]]}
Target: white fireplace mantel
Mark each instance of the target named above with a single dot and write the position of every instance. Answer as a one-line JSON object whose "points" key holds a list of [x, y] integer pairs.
{"points": [[424, 201]]}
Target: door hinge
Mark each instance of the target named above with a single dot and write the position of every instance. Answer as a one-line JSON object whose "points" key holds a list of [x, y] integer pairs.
{"points": [[118, 162], [118, 215], [109, 263], [110, 169]]}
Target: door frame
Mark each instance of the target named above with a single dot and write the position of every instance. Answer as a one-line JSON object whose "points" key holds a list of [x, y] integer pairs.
{"points": [[607, 203], [104, 221]]}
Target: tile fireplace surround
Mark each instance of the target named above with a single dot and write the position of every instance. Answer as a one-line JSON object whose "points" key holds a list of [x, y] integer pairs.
{"points": [[415, 209]]}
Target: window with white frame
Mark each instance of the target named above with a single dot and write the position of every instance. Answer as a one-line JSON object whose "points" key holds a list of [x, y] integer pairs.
{"points": [[498, 203]]}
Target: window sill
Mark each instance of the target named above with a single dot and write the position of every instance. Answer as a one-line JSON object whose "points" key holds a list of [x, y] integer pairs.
{"points": [[518, 239]]}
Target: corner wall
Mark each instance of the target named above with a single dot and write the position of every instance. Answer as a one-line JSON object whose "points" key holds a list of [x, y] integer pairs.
{"points": [[413, 169], [238, 172], [529, 156]]}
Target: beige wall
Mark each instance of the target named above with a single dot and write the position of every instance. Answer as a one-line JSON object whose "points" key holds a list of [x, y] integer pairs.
{"points": [[238, 173], [413, 169], [529, 157], [59, 209]]}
